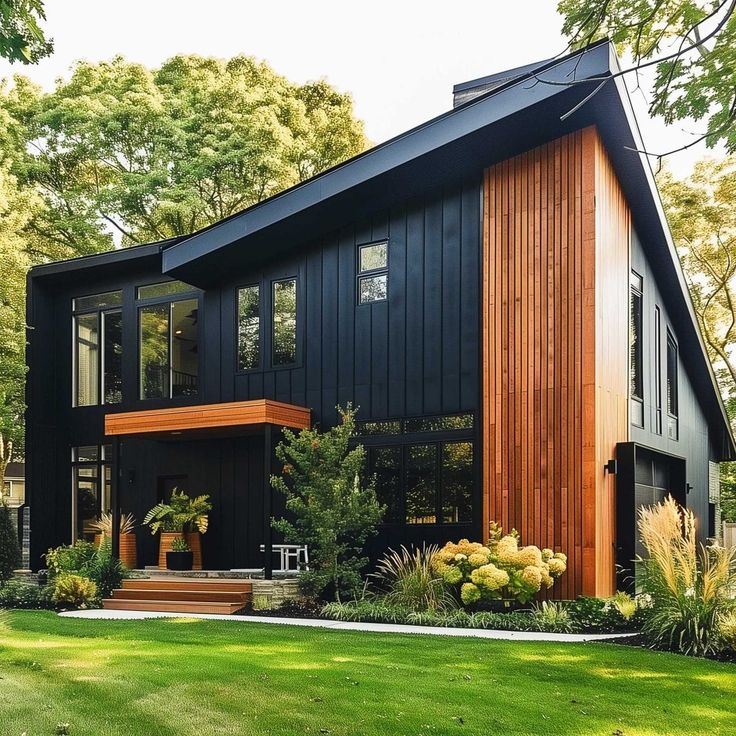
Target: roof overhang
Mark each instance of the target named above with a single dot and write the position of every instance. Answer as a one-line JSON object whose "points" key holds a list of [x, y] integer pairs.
{"points": [[208, 419]]}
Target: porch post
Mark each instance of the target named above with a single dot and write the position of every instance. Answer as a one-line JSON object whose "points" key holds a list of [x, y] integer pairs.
{"points": [[267, 505], [115, 496]]}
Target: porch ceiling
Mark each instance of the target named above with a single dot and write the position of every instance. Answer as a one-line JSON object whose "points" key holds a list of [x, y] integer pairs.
{"points": [[229, 417]]}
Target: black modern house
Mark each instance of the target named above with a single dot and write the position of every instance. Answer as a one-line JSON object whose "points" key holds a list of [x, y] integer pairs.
{"points": [[498, 292]]}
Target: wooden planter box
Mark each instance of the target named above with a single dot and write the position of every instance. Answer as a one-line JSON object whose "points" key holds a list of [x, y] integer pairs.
{"points": [[128, 555], [195, 544]]}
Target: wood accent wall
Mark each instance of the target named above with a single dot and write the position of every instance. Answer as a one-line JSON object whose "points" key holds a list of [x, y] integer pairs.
{"points": [[207, 417], [555, 351]]}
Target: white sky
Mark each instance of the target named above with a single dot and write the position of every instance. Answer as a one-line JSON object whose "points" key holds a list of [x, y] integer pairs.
{"points": [[399, 59]]}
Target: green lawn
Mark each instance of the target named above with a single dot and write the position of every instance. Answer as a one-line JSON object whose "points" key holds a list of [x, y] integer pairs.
{"points": [[184, 676]]}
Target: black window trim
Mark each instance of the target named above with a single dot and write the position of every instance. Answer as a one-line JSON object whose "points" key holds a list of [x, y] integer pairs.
{"points": [[672, 341], [636, 287], [297, 336], [360, 275], [261, 327]]}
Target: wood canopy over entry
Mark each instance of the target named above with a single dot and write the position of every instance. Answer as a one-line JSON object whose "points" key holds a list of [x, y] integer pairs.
{"points": [[207, 418]]}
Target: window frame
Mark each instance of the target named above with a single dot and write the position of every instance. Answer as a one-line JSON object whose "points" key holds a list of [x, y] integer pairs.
{"points": [[636, 361], [169, 299], [100, 312], [673, 419], [100, 464], [658, 370], [363, 274], [261, 326], [271, 323]]}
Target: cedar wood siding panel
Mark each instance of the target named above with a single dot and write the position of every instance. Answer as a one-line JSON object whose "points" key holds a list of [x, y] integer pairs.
{"points": [[554, 345]]}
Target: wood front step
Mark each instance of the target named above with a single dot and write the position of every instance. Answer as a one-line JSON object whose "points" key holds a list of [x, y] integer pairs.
{"points": [[157, 594], [165, 606], [238, 586]]}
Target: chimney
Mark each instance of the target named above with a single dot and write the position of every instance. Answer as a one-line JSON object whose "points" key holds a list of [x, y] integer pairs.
{"points": [[466, 91]]}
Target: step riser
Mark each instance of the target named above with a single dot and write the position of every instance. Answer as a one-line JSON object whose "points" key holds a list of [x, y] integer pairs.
{"points": [[207, 596], [220, 586], [171, 606]]}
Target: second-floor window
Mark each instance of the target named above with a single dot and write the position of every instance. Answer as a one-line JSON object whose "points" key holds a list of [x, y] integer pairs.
{"points": [[372, 272], [98, 336], [283, 333], [249, 327], [168, 341], [672, 388], [635, 350]]}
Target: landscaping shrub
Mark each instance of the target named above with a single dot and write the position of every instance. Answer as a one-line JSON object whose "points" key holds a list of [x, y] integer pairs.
{"points": [[18, 594], [333, 509], [690, 587], [552, 616], [609, 615], [727, 631], [74, 590], [70, 558], [10, 557], [411, 582], [105, 570], [499, 570]]}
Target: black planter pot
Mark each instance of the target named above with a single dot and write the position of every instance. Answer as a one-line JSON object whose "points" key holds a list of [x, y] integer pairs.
{"points": [[179, 560]]}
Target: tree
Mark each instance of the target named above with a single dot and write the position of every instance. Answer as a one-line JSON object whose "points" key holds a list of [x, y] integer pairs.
{"points": [[17, 206], [10, 557], [702, 215], [21, 36], [151, 154], [690, 43], [333, 509]]}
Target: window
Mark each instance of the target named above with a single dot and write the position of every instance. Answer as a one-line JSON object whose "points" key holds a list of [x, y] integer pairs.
{"points": [[98, 349], [372, 272], [283, 332], [249, 327], [658, 371], [672, 387], [91, 476], [422, 482], [635, 350], [169, 349]]}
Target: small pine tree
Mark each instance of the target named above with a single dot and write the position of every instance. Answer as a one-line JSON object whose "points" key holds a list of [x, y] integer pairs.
{"points": [[10, 558], [334, 510]]}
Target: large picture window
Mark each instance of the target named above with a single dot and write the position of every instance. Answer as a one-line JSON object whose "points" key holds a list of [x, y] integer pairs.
{"points": [[635, 350], [98, 349], [284, 327], [91, 476], [168, 346]]}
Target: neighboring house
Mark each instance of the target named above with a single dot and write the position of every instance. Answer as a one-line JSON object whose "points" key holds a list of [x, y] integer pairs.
{"points": [[14, 485], [496, 289]]}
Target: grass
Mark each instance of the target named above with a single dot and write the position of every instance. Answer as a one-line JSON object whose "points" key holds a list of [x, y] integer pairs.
{"points": [[183, 676]]}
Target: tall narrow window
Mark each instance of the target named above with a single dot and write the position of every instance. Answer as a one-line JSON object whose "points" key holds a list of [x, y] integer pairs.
{"points": [[372, 272], [284, 322], [658, 371], [91, 488], [635, 351], [672, 387], [169, 349], [457, 482], [385, 463], [249, 327], [98, 374], [421, 484]]}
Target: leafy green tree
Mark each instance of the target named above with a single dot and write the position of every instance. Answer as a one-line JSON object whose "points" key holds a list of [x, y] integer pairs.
{"points": [[17, 206], [702, 214], [10, 557], [151, 154], [21, 36], [333, 509], [690, 43]]}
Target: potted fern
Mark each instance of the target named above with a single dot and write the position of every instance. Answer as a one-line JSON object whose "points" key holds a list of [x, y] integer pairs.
{"points": [[103, 530], [183, 516], [179, 557]]}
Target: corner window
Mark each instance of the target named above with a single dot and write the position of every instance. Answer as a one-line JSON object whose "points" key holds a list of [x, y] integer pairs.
{"points": [[635, 350], [372, 272], [283, 333], [169, 348], [672, 387], [91, 476], [249, 327], [98, 349]]}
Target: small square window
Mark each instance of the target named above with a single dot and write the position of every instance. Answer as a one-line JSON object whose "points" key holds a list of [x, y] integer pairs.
{"points": [[373, 288], [373, 257]]}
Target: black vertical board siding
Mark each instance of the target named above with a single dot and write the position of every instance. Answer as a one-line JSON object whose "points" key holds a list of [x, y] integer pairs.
{"points": [[415, 310], [433, 257], [397, 315], [415, 353], [451, 251]]}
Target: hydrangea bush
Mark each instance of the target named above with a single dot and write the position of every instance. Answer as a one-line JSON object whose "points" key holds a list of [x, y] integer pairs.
{"points": [[502, 569]]}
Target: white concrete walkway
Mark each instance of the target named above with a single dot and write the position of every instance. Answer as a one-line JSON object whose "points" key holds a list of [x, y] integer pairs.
{"points": [[349, 626]]}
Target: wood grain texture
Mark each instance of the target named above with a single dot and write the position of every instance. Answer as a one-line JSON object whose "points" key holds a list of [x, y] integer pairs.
{"points": [[207, 417], [554, 342]]}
